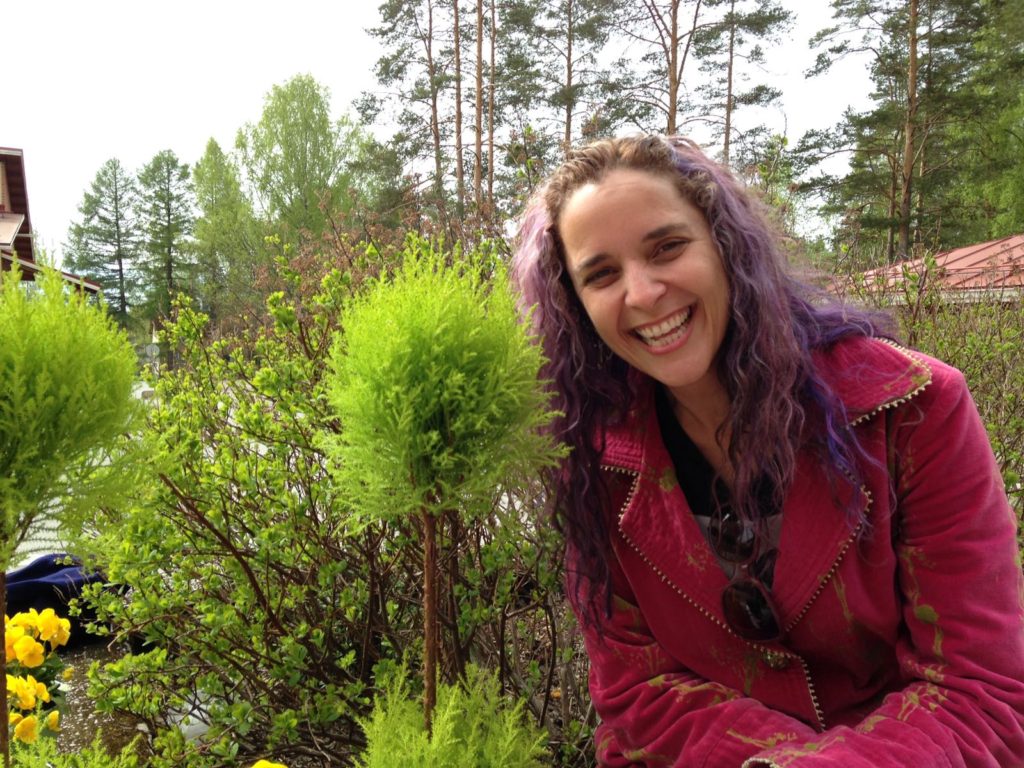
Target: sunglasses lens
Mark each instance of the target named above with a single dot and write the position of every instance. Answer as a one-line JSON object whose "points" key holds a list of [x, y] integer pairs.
{"points": [[749, 612], [733, 539]]}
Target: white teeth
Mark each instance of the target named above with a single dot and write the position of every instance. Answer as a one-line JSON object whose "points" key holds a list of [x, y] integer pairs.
{"points": [[667, 331]]}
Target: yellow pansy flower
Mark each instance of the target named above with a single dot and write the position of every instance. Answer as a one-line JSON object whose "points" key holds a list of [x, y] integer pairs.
{"points": [[24, 693], [27, 730], [48, 624], [12, 634], [14, 718], [28, 619], [63, 632], [28, 652], [52, 720], [42, 692], [268, 764]]}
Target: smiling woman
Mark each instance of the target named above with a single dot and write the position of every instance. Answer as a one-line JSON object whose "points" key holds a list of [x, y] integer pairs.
{"points": [[787, 538], [645, 266]]}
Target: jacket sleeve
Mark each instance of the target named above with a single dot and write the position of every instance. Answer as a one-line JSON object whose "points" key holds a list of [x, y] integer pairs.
{"points": [[654, 712], [962, 651]]}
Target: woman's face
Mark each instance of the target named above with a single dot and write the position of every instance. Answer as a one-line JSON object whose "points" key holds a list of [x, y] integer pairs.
{"points": [[650, 277]]}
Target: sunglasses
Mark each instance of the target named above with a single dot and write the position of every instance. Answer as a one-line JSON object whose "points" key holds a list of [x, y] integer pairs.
{"points": [[747, 601]]}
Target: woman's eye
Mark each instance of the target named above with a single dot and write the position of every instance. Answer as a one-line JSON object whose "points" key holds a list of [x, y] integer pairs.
{"points": [[598, 276], [669, 248]]}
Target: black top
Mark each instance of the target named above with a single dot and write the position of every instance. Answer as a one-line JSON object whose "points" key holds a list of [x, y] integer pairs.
{"points": [[732, 540]]}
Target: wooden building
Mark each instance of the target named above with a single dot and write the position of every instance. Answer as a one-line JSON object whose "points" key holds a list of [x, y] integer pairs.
{"points": [[16, 238]]}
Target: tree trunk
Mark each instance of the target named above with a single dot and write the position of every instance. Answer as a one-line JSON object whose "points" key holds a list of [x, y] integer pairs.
{"points": [[890, 239], [909, 137], [429, 617], [490, 110], [460, 176], [728, 80], [435, 121], [569, 32], [478, 164], [673, 71]]}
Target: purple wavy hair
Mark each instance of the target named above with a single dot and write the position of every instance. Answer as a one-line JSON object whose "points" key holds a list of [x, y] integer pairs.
{"points": [[777, 399]]}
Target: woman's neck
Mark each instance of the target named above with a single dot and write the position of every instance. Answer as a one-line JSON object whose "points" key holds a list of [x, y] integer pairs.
{"points": [[702, 414]]}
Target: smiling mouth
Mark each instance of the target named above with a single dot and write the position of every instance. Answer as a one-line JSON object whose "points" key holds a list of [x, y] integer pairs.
{"points": [[667, 331]]}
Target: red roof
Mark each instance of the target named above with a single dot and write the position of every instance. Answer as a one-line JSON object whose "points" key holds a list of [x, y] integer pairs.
{"points": [[995, 266]]}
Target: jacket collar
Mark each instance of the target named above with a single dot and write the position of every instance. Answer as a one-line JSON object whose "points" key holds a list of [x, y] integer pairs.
{"points": [[868, 376]]}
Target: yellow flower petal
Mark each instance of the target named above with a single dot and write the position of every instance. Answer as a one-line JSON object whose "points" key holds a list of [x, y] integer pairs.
{"points": [[24, 691], [12, 634], [53, 720], [48, 624], [268, 764], [28, 652], [29, 620], [63, 632], [27, 730]]}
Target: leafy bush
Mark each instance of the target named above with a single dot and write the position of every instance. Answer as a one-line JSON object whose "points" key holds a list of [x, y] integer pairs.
{"points": [[473, 727], [248, 600], [981, 334]]}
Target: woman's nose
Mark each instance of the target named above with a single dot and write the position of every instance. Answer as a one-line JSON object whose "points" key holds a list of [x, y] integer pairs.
{"points": [[643, 289]]}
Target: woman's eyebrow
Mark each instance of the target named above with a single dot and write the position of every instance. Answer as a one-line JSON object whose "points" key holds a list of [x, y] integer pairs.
{"points": [[587, 263], [676, 228]]}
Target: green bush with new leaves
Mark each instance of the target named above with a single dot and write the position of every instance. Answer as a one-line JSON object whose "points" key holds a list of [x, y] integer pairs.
{"points": [[982, 335], [251, 597]]}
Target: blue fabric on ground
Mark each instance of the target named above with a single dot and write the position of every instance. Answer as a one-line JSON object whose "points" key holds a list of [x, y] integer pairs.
{"points": [[51, 581]]}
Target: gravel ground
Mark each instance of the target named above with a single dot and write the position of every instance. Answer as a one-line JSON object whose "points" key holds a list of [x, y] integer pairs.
{"points": [[80, 721]]}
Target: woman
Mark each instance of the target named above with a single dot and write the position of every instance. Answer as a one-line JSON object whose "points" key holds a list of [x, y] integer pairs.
{"points": [[788, 540]]}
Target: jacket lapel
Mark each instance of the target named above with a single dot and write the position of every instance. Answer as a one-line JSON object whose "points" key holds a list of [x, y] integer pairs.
{"points": [[656, 521]]}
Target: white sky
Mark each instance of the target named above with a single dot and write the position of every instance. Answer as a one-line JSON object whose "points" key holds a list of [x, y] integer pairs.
{"points": [[88, 81]]}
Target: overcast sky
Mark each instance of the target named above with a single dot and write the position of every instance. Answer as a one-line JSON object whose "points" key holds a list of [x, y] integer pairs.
{"points": [[88, 81]]}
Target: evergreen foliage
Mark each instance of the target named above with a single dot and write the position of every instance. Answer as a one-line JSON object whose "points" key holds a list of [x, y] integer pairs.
{"points": [[44, 752], [66, 376], [166, 215], [474, 727], [931, 160], [104, 245], [436, 387]]}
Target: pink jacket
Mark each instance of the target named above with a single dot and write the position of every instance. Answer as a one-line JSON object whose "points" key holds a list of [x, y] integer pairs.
{"points": [[904, 638]]}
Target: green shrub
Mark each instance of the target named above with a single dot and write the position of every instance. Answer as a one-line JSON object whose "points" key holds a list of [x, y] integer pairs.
{"points": [[242, 582], [981, 334], [473, 727]]}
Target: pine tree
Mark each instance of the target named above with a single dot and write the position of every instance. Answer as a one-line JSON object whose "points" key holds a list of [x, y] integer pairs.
{"points": [[104, 245], [904, 152], [415, 75], [167, 215], [728, 49]]}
